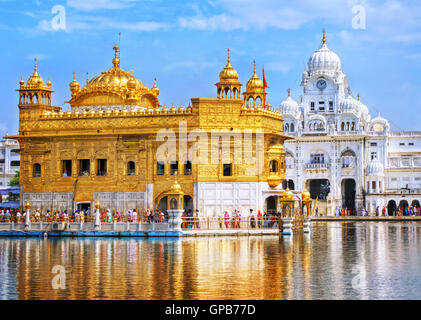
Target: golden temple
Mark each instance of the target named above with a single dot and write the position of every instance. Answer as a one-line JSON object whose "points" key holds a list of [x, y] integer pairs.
{"points": [[105, 146]]}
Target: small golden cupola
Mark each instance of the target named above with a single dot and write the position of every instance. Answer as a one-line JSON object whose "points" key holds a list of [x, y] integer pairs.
{"points": [[254, 90], [35, 91], [114, 87], [74, 86], [155, 89], [228, 86]]}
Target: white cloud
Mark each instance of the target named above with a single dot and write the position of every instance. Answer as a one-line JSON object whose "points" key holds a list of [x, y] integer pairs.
{"points": [[89, 5], [388, 20], [76, 22]]}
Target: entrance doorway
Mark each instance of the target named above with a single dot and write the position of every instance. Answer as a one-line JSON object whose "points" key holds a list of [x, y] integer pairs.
{"points": [[84, 206], [348, 194], [391, 208], [163, 204], [403, 207], [271, 204], [319, 188], [188, 203]]}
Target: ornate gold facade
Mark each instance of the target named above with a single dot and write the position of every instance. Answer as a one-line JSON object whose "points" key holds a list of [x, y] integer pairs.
{"points": [[116, 118]]}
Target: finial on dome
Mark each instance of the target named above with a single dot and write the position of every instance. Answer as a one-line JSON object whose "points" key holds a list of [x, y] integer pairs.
{"points": [[36, 67], [349, 91], [289, 92], [49, 82], [254, 66], [301, 99], [21, 82], [228, 55], [87, 77], [358, 97], [116, 60], [324, 36], [74, 76]]}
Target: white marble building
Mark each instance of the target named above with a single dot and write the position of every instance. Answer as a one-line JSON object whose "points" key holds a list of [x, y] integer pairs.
{"points": [[337, 140], [9, 162]]}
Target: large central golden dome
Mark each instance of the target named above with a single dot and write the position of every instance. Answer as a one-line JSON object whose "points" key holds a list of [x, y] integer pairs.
{"points": [[114, 87]]}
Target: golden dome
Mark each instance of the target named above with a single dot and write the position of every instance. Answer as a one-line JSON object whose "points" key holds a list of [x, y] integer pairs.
{"points": [[155, 89], [228, 74], [49, 84], [305, 195], [74, 85], [115, 87], [35, 80], [287, 195], [176, 188], [254, 84]]}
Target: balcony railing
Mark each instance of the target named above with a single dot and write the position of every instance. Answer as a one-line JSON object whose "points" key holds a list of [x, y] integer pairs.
{"points": [[316, 166]]}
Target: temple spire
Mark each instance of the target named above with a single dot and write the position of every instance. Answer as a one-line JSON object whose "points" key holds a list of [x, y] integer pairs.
{"points": [[228, 55], [324, 36]]}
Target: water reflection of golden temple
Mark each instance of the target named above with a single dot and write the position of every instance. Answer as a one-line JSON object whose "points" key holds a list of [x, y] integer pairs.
{"points": [[105, 146]]}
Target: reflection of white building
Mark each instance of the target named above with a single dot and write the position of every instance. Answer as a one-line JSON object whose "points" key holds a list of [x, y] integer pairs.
{"points": [[9, 161], [336, 140]]}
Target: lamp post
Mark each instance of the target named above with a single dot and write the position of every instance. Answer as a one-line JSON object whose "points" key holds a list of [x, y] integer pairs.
{"points": [[27, 215], [97, 223], [287, 211], [306, 203]]}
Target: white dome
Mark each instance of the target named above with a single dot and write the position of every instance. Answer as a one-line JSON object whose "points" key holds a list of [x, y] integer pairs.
{"points": [[364, 111], [375, 168], [350, 105], [379, 124], [324, 59], [289, 106]]}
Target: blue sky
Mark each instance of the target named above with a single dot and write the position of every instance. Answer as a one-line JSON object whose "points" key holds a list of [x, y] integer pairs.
{"points": [[183, 44]]}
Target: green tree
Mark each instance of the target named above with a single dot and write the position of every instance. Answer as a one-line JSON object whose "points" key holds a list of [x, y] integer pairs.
{"points": [[14, 182]]}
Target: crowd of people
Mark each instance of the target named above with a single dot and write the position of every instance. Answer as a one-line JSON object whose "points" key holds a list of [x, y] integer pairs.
{"points": [[133, 216], [190, 219]]}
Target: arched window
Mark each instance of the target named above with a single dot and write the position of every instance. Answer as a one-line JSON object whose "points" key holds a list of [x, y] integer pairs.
{"points": [[234, 93], [258, 101], [291, 185], [274, 166], [131, 168], [284, 184], [353, 126], [36, 170], [250, 102], [347, 126], [227, 93], [291, 127], [342, 126], [286, 127]]}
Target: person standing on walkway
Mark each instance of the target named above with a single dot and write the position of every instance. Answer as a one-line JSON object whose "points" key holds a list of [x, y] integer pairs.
{"points": [[227, 219], [259, 219], [252, 219], [197, 219]]}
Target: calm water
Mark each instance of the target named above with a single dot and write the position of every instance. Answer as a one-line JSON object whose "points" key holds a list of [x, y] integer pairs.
{"points": [[339, 260]]}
